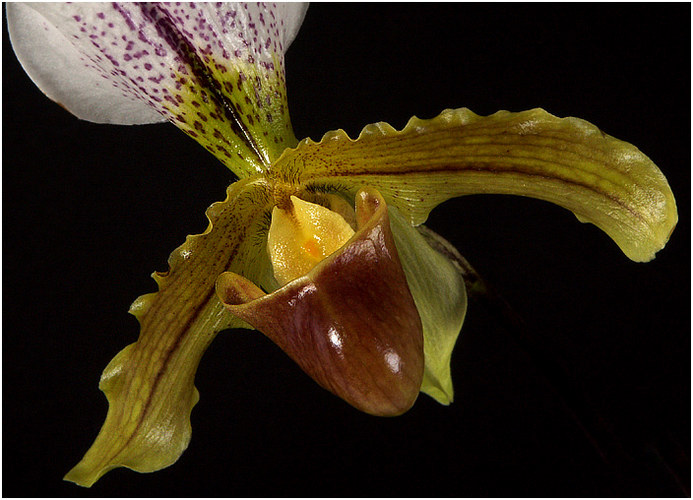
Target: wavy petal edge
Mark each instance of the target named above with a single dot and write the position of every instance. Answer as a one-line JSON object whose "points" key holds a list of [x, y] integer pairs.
{"points": [[566, 161]]}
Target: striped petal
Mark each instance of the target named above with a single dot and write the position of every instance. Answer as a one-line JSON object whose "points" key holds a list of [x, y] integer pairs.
{"points": [[215, 70], [149, 384], [566, 161]]}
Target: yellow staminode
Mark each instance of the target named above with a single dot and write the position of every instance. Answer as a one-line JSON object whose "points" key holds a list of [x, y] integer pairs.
{"points": [[302, 235]]}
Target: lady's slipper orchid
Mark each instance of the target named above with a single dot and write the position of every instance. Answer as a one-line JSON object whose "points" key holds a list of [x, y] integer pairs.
{"points": [[303, 248]]}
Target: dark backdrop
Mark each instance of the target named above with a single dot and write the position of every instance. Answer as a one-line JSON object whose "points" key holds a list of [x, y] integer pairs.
{"points": [[91, 210]]}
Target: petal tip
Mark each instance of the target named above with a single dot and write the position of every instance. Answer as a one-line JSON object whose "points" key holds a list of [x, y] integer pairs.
{"points": [[84, 475]]}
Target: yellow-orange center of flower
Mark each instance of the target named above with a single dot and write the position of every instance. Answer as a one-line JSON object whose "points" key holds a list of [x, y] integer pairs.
{"points": [[301, 235], [311, 248]]}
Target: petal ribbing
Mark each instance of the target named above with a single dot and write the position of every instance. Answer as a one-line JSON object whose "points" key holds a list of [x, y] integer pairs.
{"points": [[149, 384], [566, 161]]}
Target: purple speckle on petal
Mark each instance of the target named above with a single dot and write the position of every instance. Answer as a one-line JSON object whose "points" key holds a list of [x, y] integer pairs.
{"points": [[199, 50], [156, 79]]}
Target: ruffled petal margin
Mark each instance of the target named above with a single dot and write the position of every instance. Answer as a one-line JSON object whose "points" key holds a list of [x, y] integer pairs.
{"points": [[566, 161], [149, 384]]}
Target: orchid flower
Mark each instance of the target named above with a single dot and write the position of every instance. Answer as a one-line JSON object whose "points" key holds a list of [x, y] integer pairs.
{"points": [[318, 244]]}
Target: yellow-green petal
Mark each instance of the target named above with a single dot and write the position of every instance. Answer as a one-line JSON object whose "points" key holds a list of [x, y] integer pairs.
{"points": [[149, 384], [566, 161], [441, 302]]}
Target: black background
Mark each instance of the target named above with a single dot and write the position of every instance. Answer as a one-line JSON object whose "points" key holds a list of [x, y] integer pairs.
{"points": [[91, 210]]}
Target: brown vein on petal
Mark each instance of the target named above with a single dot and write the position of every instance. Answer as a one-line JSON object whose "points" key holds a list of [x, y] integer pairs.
{"points": [[158, 314], [406, 145], [577, 148], [166, 358], [491, 170], [180, 44], [176, 343]]}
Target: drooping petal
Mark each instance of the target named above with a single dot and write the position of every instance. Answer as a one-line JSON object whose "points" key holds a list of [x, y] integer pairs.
{"points": [[213, 69], [149, 384], [566, 161], [351, 322]]}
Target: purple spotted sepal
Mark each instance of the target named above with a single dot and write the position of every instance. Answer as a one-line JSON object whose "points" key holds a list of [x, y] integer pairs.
{"points": [[351, 322], [216, 70]]}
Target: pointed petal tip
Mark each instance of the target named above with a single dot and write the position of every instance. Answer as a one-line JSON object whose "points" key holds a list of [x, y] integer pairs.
{"points": [[85, 476], [440, 396]]}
